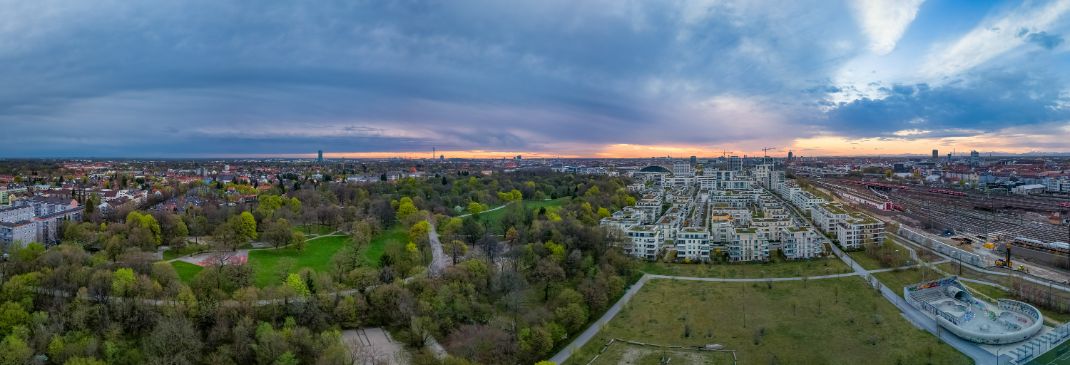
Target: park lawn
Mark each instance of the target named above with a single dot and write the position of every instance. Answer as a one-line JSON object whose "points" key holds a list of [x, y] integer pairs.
{"points": [[896, 280], [316, 256], [375, 250], [872, 263], [827, 321], [186, 271], [493, 219], [775, 269]]}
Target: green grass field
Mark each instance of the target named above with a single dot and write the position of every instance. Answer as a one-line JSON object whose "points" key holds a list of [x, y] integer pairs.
{"points": [[375, 250], [493, 219], [776, 269], [316, 256], [829, 321], [1057, 356], [899, 253], [186, 271]]}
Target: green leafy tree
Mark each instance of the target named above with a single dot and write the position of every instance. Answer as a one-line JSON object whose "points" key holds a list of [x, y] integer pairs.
{"points": [[123, 281], [287, 358], [476, 208], [419, 231], [297, 284], [14, 350], [11, 315], [145, 221], [247, 225], [279, 233], [406, 209], [535, 341]]}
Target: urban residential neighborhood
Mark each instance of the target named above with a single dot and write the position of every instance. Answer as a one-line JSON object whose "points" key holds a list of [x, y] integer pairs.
{"points": [[625, 182]]}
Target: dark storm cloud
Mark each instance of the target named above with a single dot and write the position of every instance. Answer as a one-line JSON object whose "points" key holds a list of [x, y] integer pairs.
{"points": [[251, 77], [989, 101], [101, 78]]}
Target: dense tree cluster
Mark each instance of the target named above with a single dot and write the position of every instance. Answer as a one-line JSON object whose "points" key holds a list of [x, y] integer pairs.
{"points": [[519, 285]]}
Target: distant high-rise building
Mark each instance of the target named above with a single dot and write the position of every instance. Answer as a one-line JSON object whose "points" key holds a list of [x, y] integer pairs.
{"points": [[791, 156], [319, 156], [936, 154], [519, 157], [694, 161], [442, 157], [974, 154]]}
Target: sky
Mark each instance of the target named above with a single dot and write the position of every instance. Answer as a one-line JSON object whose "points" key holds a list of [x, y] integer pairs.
{"points": [[545, 78]]}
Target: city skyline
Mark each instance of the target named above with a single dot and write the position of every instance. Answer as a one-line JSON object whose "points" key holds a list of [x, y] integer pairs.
{"points": [[475, 79]]}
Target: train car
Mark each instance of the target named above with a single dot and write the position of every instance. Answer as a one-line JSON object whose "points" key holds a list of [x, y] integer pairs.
{"points": [[1059, 247]]}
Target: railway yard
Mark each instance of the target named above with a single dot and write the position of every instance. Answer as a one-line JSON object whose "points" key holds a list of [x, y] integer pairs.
{"points": [[1032, 226]]}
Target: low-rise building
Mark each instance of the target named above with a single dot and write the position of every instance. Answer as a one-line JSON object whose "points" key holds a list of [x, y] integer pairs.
{"points": [[645, 242], [693, 244], [859, 230], [827, 216], [748, 245], [801, 243]]}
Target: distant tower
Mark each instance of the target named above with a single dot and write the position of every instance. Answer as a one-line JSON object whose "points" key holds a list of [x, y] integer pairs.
{"points": [[319, 156], [434, 152], [694, 161], [442, 157], [936, 155], [791, 156]]}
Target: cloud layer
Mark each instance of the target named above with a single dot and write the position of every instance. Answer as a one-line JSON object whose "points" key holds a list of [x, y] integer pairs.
{"points": [[207, 78]]}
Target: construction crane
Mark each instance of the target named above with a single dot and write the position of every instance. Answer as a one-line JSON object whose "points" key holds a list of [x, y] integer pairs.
{"points": [[767, 149]]}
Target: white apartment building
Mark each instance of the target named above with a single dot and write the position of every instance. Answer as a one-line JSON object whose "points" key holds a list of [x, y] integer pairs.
{"points": [[621, 220], [770, 228], [827, 217], [646, 241], [748, 245], [804, 200], [858, 230], [722, 230], [651, 208], [693, 244], [801, 243]]}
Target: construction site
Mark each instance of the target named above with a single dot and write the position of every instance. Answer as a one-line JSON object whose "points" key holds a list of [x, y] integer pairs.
{"points": [[1027, 233]]}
